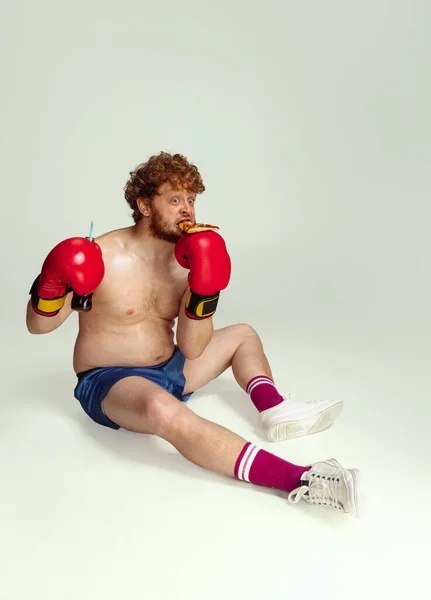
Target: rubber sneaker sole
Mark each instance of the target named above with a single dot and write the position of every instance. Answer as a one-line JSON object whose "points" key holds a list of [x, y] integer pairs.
{"points": [[355, 494], [287, 430]]}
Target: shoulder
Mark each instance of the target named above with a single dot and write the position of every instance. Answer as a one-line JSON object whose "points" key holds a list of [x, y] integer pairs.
{"points": [[113, 241]]}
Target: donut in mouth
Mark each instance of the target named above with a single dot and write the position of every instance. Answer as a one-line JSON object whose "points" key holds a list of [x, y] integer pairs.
{"points": [[189, 227]]}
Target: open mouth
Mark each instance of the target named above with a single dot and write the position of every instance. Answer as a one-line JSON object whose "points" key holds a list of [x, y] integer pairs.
{"points": [[188, 227], [185, 225]]}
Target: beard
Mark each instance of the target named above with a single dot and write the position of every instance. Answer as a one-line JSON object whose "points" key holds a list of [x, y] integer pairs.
{"points": [[161, 230]]}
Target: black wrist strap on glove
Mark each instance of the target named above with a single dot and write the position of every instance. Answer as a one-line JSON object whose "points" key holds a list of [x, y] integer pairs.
{"points": [[82, 303], [201, 307]]}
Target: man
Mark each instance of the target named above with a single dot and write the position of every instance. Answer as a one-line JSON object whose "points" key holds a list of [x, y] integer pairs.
{"points": [[130, 285]]}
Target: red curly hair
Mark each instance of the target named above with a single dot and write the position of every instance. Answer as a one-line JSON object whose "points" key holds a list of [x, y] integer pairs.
{"points": [[146, 179]]}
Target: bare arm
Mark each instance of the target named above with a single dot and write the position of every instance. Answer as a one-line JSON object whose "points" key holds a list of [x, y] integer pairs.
{"points": [[39, 324], [193, 336]]}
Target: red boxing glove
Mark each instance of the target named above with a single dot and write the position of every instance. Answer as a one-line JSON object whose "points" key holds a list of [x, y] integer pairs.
{"points": [[74, 264], [206, 256]]}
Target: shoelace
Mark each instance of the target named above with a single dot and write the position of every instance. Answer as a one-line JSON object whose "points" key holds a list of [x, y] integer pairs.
{"points": [[322, 491], [295, 496]]}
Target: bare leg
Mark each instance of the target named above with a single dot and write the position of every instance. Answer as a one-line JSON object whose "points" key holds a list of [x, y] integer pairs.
{"points": [[236, 346], [240, 347], [249, 359], [139, 405]]}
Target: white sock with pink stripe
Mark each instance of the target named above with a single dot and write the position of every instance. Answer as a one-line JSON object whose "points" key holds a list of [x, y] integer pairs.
{"points": [[258, 466], [263, 392]]}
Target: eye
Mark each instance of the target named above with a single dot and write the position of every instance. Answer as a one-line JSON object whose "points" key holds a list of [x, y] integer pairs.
{"points": [[174, 199], [192, 201]]}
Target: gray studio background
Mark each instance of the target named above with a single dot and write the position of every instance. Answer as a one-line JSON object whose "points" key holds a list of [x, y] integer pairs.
{"points": [[310, 124]]}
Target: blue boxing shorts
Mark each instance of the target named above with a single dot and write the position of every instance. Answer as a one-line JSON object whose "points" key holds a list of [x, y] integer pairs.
{"points": [[94, 384]]}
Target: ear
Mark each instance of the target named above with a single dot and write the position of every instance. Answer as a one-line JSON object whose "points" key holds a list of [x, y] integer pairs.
{"points": [[144, 206]]}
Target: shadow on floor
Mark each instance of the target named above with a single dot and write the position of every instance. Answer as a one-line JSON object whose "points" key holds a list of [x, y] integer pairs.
{"points": [[53, 390]]}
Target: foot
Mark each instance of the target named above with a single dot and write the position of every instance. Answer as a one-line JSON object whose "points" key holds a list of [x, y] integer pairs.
{"points": [[292, 419], [327, 483]]}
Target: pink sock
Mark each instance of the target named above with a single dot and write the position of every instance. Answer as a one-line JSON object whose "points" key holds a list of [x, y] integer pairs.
{"points": [[263, 392], [258, 466]]}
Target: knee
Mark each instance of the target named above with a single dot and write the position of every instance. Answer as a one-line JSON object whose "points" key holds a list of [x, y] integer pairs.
{"points": [[246, 331], [159, 413]]}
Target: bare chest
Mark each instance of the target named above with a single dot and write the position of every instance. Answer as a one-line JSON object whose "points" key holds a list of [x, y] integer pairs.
{"points": [[134, 291]]}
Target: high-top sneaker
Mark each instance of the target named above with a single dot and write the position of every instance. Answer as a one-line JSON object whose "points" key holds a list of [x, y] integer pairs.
{"points": [[327, 483]]}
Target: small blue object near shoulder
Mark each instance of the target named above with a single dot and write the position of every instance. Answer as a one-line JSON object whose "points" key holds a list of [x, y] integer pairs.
{"points": [[90, 237]]}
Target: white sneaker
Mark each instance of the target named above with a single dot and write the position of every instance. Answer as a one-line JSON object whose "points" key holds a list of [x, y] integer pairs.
{"points": [[327, 483], [291, 419]]}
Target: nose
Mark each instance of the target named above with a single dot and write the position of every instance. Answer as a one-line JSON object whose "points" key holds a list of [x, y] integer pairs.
{"points": [[185, 209]]}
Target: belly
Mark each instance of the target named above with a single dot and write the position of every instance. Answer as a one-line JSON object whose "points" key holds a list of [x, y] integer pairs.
{"points": [[145, 343]]}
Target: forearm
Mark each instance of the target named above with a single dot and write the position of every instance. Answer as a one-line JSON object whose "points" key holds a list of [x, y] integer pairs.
{"points": [[193, 335], [39, 324]]}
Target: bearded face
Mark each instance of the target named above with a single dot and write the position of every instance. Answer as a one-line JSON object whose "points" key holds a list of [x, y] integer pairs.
{"points": [[166, 210], [162, 229]]}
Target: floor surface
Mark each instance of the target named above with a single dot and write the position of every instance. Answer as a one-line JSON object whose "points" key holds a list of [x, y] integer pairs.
{"points": [[87, 512]]}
